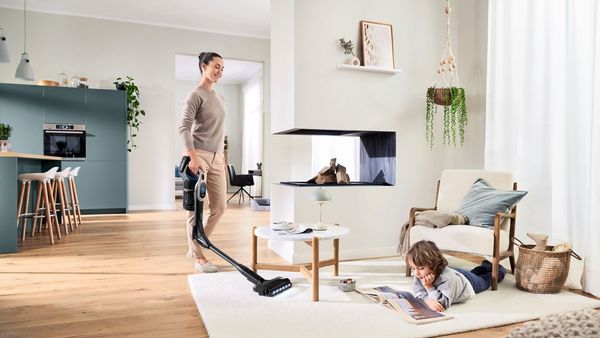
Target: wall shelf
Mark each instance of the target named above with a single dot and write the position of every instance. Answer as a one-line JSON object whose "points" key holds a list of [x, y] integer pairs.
{"points": [[373, 69]]}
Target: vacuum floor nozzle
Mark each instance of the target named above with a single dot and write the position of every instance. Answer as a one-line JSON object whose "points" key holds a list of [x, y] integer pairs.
{"points": [[194, 201], [272, 287]]}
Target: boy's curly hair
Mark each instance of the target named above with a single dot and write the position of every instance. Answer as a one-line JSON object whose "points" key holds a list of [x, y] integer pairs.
{"points": [[426, 253]]}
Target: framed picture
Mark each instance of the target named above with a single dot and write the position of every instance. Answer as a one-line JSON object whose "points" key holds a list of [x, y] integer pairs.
{"points": [[377, 44]]}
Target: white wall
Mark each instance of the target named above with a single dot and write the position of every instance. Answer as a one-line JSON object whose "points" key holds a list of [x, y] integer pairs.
{"points": [[309, 92], [328, 98], [103, 50]]}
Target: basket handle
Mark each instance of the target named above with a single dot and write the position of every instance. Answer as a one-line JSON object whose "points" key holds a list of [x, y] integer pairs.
{"points": [[574, 254], [518, 240]]}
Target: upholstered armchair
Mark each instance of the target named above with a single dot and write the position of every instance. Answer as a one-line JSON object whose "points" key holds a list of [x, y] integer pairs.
{"points": [[495, 242]]}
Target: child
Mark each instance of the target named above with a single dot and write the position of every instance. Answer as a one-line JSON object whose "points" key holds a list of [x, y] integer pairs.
{"points": [[441, 286]]}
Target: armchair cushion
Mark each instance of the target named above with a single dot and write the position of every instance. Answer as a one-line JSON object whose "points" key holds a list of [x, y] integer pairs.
{"points": [[461, 238], [483, 201]]}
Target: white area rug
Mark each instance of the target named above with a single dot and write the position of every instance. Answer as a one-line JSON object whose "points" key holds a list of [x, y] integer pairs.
{"points": [[230, 308]]}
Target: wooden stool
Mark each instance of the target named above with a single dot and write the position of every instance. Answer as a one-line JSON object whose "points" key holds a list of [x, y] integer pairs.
{"points": [[74, 198], [44, 196], [60, 198]]}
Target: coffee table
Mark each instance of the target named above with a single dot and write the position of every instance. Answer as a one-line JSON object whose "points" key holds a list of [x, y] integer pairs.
{"points": [[309, 270]]}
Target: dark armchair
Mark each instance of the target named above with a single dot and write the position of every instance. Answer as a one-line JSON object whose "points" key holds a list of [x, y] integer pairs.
{"points": [[240, 181]]}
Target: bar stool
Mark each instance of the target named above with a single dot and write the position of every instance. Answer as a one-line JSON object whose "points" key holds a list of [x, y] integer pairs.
{"points": [[60, 198], [44, 196], [74, 198]]}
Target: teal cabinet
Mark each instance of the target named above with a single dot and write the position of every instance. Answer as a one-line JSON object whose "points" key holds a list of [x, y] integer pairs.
{"points": [[102, 180], [22, 107], [106, 125], [64, 105], [101, 185]]}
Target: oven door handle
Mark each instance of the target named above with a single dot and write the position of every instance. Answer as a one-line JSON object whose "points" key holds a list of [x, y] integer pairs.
{"points": [[63, 132]]}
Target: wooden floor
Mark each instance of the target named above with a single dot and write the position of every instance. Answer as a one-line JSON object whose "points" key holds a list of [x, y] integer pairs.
{"points": [[122, 275]]}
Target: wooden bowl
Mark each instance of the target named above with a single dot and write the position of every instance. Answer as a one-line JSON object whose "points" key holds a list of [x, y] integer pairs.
{"points": [[49, 83]]}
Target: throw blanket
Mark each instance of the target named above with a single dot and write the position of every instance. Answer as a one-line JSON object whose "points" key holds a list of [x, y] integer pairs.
{"points": [[432, 219]]}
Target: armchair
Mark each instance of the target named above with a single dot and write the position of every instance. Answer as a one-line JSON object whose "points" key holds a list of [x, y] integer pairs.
{"points": [[240, 181], [496, 243]]}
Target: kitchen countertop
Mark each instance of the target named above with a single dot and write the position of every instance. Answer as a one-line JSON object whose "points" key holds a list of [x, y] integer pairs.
{"points": [[31, 156]]}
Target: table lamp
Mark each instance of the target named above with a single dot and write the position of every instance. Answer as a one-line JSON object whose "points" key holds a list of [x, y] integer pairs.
{"points": [[321, 196]]}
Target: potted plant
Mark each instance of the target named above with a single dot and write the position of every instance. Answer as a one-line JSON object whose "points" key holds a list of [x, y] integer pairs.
{"points": [[134, 110], [349, 50], [5, 133], [453, 101], [448, 93]]}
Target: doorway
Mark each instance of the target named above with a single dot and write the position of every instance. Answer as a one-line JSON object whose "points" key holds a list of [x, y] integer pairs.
{"points": [[242, 88]]}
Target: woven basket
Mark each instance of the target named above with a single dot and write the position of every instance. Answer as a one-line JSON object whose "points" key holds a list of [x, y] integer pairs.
{"points": [[542, 271], [440, 96]]}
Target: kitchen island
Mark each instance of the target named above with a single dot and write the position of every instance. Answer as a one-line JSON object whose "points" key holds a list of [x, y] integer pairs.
{"points": [[11, 165]]}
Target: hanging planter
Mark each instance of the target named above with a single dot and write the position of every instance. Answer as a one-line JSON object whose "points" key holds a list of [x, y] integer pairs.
{"points": [[447, 92]]}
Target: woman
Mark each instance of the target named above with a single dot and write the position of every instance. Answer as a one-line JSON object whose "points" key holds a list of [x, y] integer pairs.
{"points": [[202, 127]]}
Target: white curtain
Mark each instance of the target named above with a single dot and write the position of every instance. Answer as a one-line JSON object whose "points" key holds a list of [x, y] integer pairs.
{"points": [[543, 117], [346, 149], [253, 117]]}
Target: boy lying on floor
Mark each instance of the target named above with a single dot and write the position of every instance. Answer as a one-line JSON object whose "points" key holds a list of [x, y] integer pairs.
{"points": [[441, 286]]}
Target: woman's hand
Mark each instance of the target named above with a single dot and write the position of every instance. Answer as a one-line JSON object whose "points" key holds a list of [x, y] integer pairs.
{"points": [[427, 281], [434, 305]]}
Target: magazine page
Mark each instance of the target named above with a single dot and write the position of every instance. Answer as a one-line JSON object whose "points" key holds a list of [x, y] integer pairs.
{"points": [[412, 309]]}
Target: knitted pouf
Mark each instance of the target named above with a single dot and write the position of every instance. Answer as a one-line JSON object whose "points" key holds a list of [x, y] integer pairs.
{"points": [[582, 323]]}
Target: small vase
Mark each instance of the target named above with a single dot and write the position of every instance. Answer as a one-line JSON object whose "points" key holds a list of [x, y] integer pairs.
{"points": [[354, 61], [4, 145]]}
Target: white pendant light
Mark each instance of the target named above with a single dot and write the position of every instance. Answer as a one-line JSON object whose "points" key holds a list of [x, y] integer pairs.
{"points": [[24, 70], [4, 54]]}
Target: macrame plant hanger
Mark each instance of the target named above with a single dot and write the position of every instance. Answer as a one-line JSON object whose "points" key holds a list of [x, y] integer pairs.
{"points": [[447, 64], [447, 91]]}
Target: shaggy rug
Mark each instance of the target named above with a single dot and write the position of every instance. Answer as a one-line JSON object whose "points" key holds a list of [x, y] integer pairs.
{"points": [[582, 323], [230, 308]]}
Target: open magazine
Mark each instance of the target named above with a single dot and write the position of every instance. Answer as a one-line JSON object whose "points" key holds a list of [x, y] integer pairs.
{"points": [[411, 308]]}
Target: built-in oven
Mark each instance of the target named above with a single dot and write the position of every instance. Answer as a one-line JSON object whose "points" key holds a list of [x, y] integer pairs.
{"points": [[64, 140]]}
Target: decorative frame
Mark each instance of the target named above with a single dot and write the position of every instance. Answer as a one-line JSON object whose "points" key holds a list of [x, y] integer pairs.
{"points": [[377, 44]]}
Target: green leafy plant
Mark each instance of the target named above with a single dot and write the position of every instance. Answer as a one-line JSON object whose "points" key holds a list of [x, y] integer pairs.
{"points": [[348, 46], [455, 113], [134, 110], [5, 131], [450, 95]]}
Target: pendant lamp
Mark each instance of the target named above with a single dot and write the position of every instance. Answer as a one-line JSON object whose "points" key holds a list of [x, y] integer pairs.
{"points": [[24, 70], [4, 54]]}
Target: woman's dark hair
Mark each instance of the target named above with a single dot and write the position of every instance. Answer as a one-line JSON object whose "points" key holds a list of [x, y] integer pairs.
{"points": [[206, 58], [426, 253]]}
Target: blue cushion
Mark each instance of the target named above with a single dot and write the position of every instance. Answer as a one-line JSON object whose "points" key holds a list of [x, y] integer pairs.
{"points": [[483, 201]]}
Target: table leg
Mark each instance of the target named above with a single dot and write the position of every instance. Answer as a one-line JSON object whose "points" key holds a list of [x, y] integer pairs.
{"points": [[315, 268], [254, 253], [336, 256]]}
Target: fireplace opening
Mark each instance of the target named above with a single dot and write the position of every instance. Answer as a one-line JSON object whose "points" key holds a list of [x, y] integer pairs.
{"points": [[377, 156]]}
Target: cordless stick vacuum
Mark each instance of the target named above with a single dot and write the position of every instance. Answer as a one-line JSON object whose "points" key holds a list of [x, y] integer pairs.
{"points": [[194, 192]]}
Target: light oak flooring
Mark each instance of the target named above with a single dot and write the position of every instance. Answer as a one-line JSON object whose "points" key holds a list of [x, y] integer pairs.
{"points": [[122, 275]]}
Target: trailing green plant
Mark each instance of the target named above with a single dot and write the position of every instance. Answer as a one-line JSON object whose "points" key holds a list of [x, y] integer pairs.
{"points": [[134, 110], [5, 131], [451, 96], [455, 114]]}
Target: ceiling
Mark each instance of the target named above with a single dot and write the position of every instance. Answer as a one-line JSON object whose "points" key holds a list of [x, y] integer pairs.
{"points": [[250, 18], [236, 71]]}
